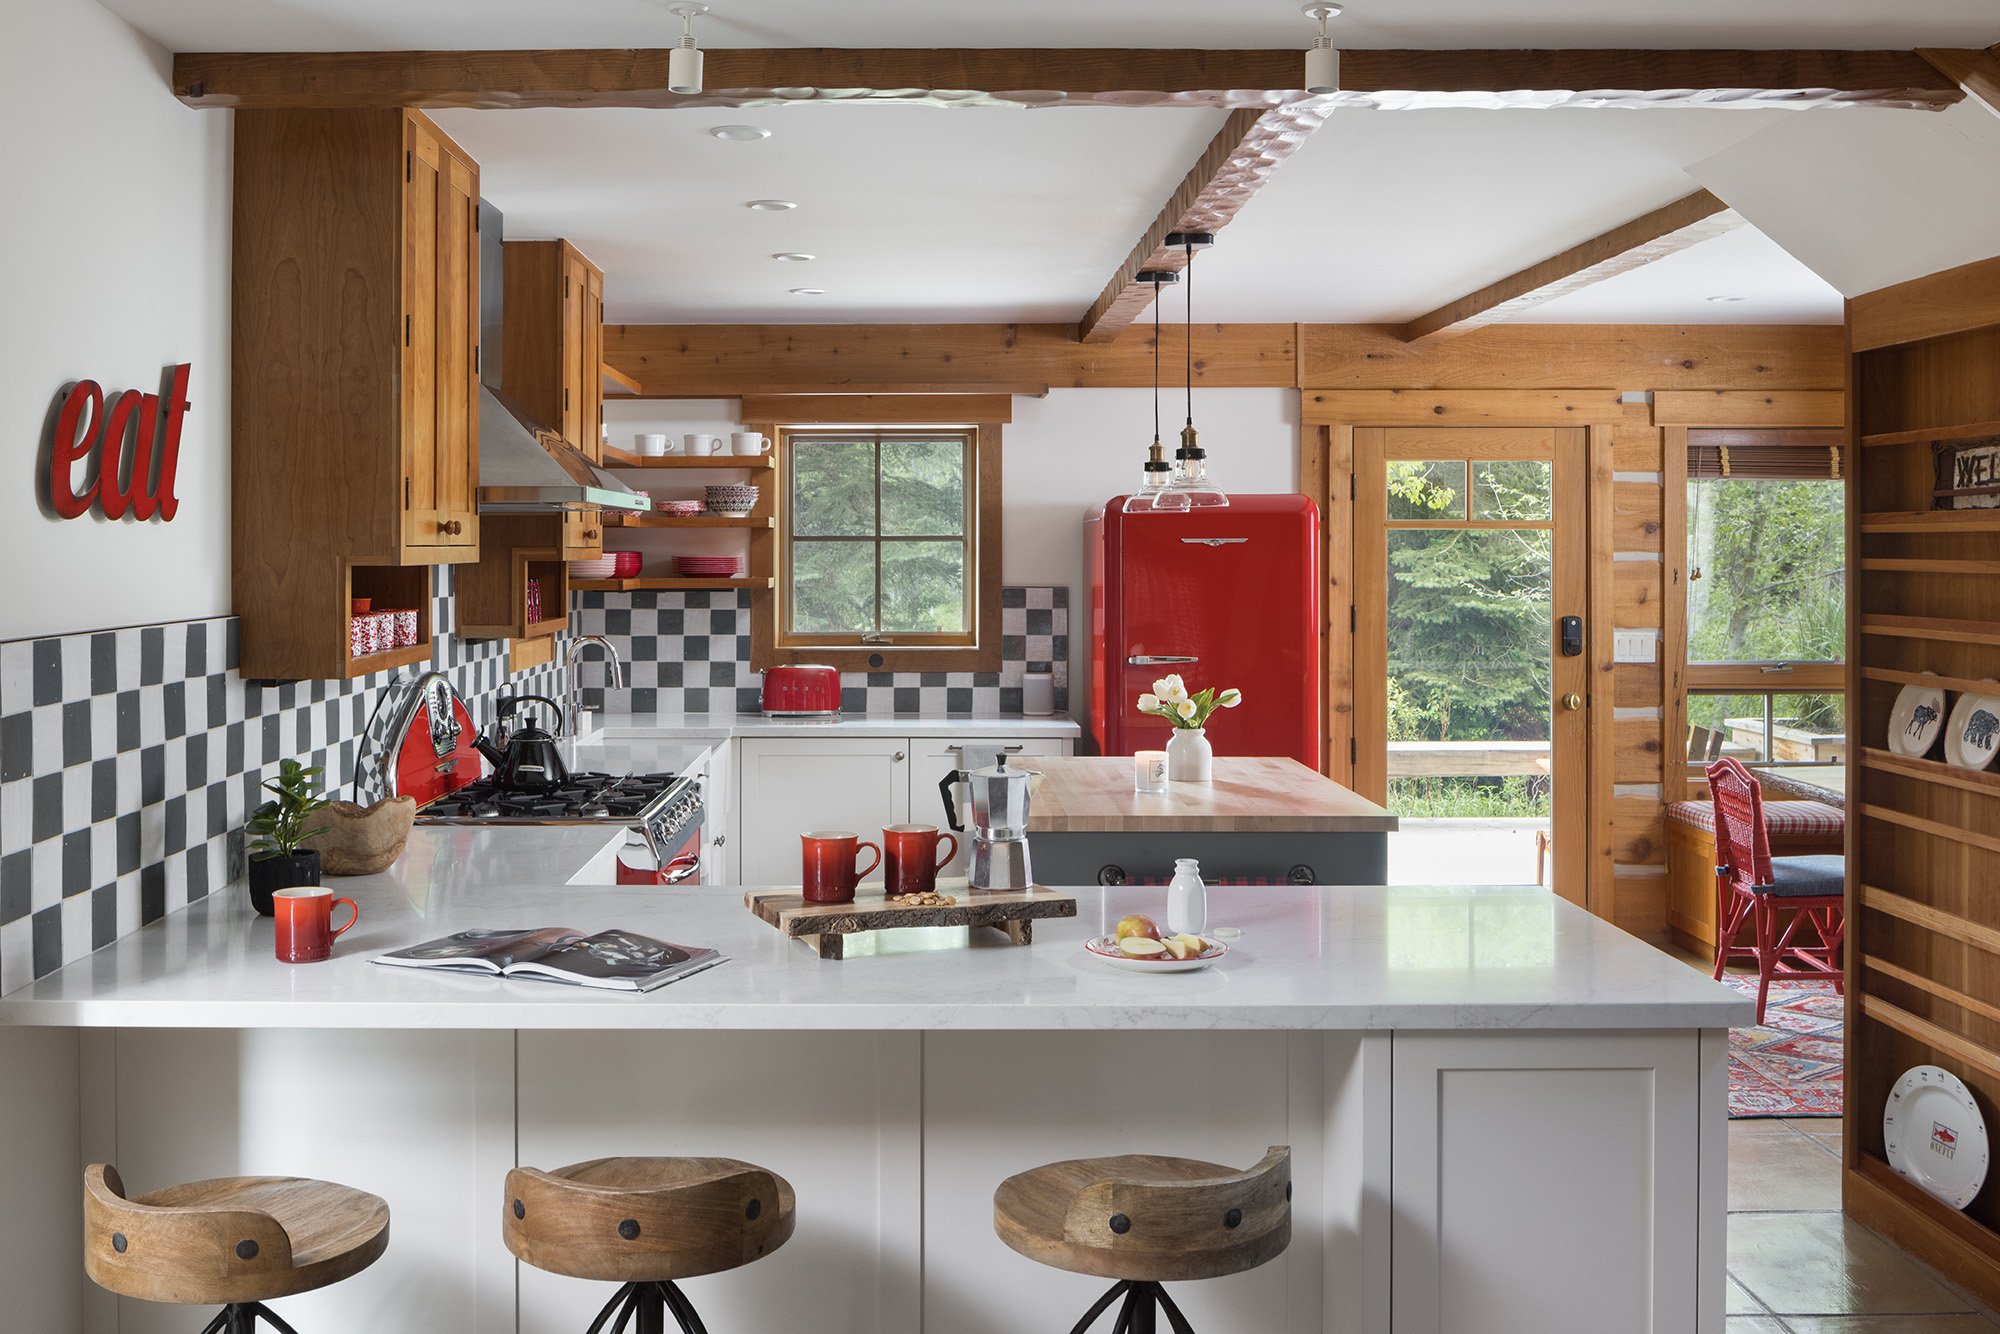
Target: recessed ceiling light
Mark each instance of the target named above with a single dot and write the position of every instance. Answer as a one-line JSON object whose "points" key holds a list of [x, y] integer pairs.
{"points": [[740, 134], [771, 205], [794, 256], [808, 291], [1725, 298]]}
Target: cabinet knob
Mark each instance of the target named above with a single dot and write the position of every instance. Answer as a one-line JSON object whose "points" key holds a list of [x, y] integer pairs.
{"points": [[897, 757], [590, 534], [451, 527]]}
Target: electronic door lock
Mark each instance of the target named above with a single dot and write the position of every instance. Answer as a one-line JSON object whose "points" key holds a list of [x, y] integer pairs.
{"points": [[1572, 636]]}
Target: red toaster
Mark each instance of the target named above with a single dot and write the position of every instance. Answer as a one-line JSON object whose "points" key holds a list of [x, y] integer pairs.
{"points": [[791, 692]]}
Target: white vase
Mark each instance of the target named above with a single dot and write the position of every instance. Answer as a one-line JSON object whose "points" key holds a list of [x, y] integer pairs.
{"points": [[1190, 759]]}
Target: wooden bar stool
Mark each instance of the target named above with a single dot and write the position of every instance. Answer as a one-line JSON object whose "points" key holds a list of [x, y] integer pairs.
{"points": [[1143, 1221], [236, 1242], [643, 1223]]}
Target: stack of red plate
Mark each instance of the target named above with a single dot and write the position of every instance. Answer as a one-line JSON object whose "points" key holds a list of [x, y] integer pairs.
{"points": [[708, 567]]}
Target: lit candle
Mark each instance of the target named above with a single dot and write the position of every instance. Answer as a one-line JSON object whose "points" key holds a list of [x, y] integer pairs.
{"points": [[1149, 771]]}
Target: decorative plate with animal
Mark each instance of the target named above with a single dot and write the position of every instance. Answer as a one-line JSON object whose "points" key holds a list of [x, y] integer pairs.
{"points": [[1972, 737], [1916, 720]]}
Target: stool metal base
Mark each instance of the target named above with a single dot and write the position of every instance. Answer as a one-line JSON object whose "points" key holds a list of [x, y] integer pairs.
{"points": [[1144, 1304], [648, 1304], [242, 1318]]}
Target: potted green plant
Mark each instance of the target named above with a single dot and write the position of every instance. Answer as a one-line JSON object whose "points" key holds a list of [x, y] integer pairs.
{"points": [[276, 830]]}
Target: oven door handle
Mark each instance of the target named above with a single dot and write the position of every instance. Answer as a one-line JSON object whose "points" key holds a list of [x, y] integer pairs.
{"points": [[689, 865]]}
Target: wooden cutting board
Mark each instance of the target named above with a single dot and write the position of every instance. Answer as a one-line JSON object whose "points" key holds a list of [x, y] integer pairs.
{"points": [[824, 925]]}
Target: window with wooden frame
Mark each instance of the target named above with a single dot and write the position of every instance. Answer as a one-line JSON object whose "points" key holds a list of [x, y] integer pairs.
{"points": [[1766, 598], [888, 547]]}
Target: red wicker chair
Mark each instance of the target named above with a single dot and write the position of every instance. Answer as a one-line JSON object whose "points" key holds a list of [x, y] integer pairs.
{"points": [[1754, 888]]}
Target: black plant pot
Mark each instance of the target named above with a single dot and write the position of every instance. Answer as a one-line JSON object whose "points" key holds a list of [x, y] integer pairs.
{"points": [[268, 875]]}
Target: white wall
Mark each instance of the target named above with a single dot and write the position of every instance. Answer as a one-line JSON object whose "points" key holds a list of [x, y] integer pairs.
{"points": [[1065, 454], [116, 266]]}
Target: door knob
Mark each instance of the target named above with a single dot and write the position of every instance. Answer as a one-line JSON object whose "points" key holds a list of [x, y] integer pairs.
{"points": [[1572, 701]]}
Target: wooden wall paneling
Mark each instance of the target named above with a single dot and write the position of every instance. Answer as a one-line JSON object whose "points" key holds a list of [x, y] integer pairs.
{"points": [[1958, 300], [1644, 240], [1532, 356], [1326, 473], [1639, 749], [1673, 618], [1638, 592], [1601, 855], [1371, 581], [1635, 441], [1637, 515], [1463, 407], [749, 76], [1780, 408]]}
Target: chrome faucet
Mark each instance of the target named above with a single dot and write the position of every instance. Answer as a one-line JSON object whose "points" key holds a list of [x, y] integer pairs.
{"points": [[573, 692]]}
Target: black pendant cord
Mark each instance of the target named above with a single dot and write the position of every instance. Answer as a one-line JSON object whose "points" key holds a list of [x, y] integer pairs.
{"points": [[1189, 244], [1158, 297]]}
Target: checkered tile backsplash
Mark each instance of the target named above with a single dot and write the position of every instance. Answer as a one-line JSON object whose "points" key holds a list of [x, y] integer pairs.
{"points": [[690, 653], [129, 759]]}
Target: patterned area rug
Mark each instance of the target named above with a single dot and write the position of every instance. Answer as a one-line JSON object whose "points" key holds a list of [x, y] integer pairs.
{"points": [[1790, 1067]]}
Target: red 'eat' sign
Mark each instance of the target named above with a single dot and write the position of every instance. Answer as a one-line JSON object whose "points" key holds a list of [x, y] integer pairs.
{"points": [[137, 452]]}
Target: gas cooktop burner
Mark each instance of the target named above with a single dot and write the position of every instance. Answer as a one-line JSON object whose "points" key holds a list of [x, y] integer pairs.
{"points": [[585, 797]]}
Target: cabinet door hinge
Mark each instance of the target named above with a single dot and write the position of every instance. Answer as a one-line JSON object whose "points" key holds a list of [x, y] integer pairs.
{"points": [[1353, 488], [565, 399], [1353, 751], [475, 358], [407, 326], [475, 219], [1353, 619], [409, 165], [406, 493]]}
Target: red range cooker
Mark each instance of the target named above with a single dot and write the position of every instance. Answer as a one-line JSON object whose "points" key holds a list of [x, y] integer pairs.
{"points": [[422, 744]]}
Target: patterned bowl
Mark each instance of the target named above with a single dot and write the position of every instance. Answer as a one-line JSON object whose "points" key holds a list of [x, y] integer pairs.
{"points": [[682, 509], [734, 498]]}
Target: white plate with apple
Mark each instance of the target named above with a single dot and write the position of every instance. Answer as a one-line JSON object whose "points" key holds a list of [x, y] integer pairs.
{"points": [[1141, 947]]}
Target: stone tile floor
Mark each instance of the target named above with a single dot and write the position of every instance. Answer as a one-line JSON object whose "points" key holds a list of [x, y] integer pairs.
{"points": [[1796, 1266]]}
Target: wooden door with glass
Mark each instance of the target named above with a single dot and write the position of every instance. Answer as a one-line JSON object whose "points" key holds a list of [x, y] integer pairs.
{"points": [[1472, 684]]}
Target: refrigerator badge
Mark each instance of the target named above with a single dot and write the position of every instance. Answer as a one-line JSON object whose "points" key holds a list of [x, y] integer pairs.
{"points": [[137, 450], [1944, 1140]]}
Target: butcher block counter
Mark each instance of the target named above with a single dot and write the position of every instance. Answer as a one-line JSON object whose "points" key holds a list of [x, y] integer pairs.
{"points": [[1261, 820]]}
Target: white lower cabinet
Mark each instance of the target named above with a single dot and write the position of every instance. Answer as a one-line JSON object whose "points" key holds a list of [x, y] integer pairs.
{"points": [[934, 759], [791, 787], [1548, 1184]]}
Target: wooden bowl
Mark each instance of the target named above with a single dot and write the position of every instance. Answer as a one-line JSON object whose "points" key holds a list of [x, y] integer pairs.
{"points": [[362, 842]]}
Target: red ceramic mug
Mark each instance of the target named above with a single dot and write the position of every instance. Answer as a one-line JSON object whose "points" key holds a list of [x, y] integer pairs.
{"points": [[305, 923], [830, 873], [911, 857]]}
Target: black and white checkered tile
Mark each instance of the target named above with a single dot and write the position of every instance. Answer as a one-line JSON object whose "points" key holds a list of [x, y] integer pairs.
{"points": [[690, 653], [129, 759]]}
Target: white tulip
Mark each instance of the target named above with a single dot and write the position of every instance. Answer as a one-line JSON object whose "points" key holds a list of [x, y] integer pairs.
{"points": [[1149, 703], [1171, 688], [1229, 699], [1185, 708]]}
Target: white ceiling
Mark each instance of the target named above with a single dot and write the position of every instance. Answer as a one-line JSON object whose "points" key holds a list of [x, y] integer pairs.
{"points": [[916, 213], [282, 25], [987, 214]]}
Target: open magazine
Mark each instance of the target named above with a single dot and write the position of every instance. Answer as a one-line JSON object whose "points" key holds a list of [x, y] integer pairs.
{"points": [[613, 960]]}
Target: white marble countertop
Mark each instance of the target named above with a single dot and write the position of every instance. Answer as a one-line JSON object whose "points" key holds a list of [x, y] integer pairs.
{"points": [[1308, 958], [722, 726]]}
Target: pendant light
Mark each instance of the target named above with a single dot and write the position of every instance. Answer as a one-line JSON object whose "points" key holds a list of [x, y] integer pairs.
{"points": [[1154, 495], [1322, 61], [1191, 460], [684, 61]]}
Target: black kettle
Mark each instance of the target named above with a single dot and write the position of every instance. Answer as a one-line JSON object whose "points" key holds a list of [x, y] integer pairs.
{"points": [[527, 758]]}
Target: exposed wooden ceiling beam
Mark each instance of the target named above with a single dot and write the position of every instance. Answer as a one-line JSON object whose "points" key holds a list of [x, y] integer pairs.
{"points": [[1976, 72], [1237, 162], [1252, 79], [1642, 241]]}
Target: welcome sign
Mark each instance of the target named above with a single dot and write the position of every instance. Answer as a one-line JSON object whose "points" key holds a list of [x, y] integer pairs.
{"points": [[1968, 474], [136, 450]]}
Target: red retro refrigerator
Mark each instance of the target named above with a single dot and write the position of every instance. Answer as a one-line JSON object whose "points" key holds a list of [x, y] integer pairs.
{"points": [[1225, 597]]}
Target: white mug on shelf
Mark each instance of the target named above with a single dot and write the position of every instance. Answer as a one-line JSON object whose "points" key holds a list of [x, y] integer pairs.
{"points": [[748, 443], [704, 444], [650, 444]]}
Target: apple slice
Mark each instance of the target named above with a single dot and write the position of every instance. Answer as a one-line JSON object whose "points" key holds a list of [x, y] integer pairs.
{"points": [[1178, 947], [1195, 945], [1142, 947]]}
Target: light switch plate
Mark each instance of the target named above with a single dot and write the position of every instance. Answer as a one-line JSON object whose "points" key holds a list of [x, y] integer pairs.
{"points": [[1634, 646]]}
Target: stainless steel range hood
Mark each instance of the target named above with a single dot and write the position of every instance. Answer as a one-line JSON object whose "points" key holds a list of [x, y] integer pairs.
{"points": [[526, 469]]}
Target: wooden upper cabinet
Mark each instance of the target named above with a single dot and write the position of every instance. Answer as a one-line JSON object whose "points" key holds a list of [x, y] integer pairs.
{"points": [[551, 364], [354, 358]]}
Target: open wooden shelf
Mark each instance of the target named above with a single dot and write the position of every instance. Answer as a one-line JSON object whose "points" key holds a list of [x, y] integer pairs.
{"points": [[625, 458], [1962, 684], [1916, 565], [617, 384], [1932, 627], [407, 656], [687, 521], [1969, 431], [646, 583], [1932, 771], [1931, 521]]}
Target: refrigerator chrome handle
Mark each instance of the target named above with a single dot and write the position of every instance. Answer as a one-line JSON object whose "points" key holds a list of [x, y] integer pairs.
{"points": [[1158, 660], [1213, 541]]}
